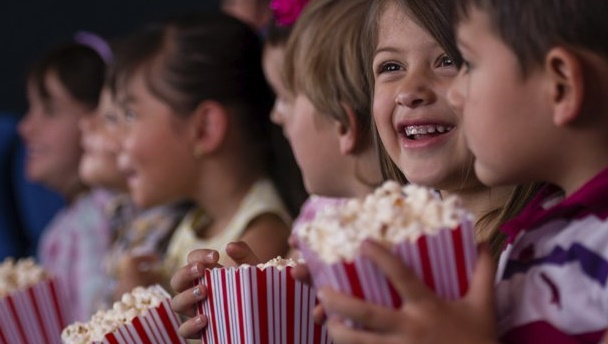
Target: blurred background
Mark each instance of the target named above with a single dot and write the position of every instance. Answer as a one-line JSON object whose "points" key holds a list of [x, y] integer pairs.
{"points": [[28, 28]]}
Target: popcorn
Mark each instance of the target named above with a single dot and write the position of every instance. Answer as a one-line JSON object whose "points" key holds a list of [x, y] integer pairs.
{"points": [[22, 274], [259, 305], [138, 303], [432, 236], [278, 262], [390, 215], [33, 307]]}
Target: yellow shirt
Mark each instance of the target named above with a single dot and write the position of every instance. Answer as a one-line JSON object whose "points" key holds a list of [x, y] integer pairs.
{"points": [[263, 198]]}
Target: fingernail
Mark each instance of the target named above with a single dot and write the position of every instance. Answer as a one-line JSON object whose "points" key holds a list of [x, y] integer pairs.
{"points": [[210, 257], [197, 293], [195, 270], [320, 295], [199, 322]]}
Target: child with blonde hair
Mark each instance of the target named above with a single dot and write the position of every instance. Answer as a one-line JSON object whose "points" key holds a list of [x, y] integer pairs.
{"points": [[323, 104]]}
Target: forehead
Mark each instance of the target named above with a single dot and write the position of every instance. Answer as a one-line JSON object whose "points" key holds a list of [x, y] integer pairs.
{"points": [[396, 27]]}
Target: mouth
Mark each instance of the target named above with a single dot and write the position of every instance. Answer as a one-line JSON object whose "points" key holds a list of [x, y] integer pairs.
{"points": [[421, 132]]}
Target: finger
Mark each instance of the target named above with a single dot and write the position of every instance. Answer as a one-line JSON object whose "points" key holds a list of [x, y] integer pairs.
{"points": [[185, 302], [191, 328], [340, 333], [241, 253], [403, 279], [481, 290], [186, 276], [370, 316], [301, 273], [207, 257], [318, 314]]}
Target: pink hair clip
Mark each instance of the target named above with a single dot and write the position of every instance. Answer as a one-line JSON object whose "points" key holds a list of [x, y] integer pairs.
{"points": [[286, 12]]}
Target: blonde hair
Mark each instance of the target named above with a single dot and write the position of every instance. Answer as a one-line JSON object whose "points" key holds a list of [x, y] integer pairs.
{"points": [[323, 60]]}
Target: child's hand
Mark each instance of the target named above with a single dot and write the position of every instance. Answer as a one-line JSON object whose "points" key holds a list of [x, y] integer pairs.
{"points": [[423, 318], [137, 270], [189, 292]]}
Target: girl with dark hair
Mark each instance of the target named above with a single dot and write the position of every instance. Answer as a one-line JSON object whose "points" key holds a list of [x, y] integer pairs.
{"points": [[62, 89], [196, 107]]}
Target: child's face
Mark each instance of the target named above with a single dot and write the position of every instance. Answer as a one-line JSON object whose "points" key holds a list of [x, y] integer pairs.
{"points": [[418, 128], [51, 135], [273, 65], [314, 141], [505, 119], [156, 156], [101, 144]]}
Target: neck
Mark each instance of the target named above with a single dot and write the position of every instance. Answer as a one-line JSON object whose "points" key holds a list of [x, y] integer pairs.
{"points": [[71, 189], [221, 189]]}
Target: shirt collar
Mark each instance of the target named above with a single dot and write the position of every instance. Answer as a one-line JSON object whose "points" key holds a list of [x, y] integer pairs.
{"points": [[591, 198]]}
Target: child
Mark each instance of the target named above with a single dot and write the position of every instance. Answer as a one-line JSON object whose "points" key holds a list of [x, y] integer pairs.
{"points": [[63, 88], [139, 237], [324, 111], [553, 79], [196, 106]]}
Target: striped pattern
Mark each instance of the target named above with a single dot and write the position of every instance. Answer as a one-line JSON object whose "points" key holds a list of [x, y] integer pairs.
{"points": [[34, 315], [254, 306], [158, 326], [444, 261]]}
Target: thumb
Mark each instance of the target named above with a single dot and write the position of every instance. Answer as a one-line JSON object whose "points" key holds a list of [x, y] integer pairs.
{"points": [[241, 253]]}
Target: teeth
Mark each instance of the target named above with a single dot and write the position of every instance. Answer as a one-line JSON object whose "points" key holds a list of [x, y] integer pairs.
{"points": [[426, 129]]}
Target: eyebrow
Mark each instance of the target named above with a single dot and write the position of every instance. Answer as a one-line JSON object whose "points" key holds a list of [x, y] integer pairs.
{"points": [[385, 49]]}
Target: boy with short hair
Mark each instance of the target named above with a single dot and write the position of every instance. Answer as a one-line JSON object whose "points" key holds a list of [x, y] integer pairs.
{"points": [[534, 94]]}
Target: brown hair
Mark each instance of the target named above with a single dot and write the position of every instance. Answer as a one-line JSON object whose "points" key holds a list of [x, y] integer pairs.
{"points": [[79, 68], [203, 56], [532, 27], [434, 17], [329, 68]]}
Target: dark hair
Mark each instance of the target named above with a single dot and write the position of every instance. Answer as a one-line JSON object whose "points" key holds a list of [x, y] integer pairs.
{"points": [[79, 68], [202, 56], [532, 27]]}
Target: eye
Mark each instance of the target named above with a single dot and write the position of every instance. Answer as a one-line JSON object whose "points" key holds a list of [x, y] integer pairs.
{"points": [[111, 118], [388, 67], [129, 115], [445, 61]]}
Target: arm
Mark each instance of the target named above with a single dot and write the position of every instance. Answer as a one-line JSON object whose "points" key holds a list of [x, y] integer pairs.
{"points": [[468, 320], [267, 235]]}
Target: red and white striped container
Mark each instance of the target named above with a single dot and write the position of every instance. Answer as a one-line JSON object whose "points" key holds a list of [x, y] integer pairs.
{"points": [[158, 326], [444, 261], [259, 306], [36, 314]]}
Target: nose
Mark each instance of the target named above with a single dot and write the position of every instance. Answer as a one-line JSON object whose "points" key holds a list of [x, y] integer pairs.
{"points": [[26, 125], [415, 91], [455, 92]]}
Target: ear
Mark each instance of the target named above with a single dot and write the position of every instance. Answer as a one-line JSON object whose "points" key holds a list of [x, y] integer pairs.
{"points": [[348, 133], [209, 125], [567, 85]]}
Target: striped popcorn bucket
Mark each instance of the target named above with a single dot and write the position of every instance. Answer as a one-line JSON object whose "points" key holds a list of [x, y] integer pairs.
{"points": [[258, 306], [34, 315], [444, 261], [158, 325]]}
